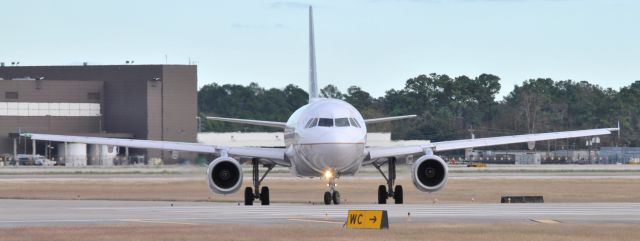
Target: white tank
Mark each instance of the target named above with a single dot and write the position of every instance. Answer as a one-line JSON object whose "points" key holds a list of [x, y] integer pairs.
{"points": [[76, 156], [102, 155]]}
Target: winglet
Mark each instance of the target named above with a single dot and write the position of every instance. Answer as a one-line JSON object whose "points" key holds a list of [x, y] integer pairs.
{"points": [[313, 77]]}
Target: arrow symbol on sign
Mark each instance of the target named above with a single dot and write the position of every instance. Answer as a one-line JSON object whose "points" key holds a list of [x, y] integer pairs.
{"points": [[373, 219]]}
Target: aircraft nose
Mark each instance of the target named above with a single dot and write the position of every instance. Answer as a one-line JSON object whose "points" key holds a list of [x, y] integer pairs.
{"points": [[342, 136], [329, 156]]}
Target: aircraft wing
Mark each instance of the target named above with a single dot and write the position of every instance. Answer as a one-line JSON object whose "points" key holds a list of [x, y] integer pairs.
{"points": [[274, 154], [503, 140], [381, 152]]}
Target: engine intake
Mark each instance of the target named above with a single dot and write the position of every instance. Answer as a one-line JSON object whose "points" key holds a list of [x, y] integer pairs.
{"points": [[224, 175], [429, 173]]}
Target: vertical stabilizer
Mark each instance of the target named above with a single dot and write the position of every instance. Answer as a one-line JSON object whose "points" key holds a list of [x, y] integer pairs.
{"points": [[313, 77]]}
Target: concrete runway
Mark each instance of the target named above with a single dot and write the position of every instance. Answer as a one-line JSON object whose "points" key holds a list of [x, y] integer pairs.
{"points": [[21, 213]]}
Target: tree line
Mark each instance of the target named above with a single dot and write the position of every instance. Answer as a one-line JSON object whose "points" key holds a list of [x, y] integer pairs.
{"points": [[447, 107]]}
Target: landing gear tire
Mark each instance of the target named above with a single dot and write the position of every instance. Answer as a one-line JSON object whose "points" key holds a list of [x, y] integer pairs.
{"points": [[389, 190], [264, 196], [397, 194], [327, 198], [336, 197], [382, 194], [248, 196], [261, 193]]}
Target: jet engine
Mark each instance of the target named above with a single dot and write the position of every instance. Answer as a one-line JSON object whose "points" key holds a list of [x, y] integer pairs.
{"points": [[224, 175], [429, 173]]}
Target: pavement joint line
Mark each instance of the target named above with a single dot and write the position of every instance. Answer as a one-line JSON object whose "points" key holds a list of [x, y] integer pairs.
{"points": [[156, 221], [315, 221]]}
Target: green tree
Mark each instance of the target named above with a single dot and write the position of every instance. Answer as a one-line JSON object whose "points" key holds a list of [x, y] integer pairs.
{"points": [[331, 91], [446, 107]]}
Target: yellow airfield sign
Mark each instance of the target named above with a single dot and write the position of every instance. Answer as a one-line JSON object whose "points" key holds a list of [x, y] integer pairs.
{"points": [[368, 219]]}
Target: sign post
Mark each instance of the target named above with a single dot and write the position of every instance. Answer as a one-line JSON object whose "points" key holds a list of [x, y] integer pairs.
{"points": [[368, 219]]}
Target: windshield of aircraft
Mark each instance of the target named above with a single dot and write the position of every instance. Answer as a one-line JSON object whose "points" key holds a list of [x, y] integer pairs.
{"points": [[342, 122], [312, 122], [328, 122]]}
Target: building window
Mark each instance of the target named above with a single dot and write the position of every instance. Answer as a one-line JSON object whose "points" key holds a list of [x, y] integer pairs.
{"points": [[49, 109], [11, 95], [93, 96]]}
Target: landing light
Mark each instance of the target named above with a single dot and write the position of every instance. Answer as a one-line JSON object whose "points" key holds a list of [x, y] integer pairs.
{"points": [[328, 174]]}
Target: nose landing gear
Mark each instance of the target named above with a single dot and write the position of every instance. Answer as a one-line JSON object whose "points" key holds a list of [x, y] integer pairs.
{"points": [[332, 195]]}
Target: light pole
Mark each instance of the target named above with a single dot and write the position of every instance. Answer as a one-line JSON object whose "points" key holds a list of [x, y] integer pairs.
{"points": [[596, 141], [589, 143]]}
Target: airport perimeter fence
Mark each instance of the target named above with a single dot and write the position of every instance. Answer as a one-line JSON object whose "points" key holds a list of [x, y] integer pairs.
{"points": [[77, 160], [603, 156]]}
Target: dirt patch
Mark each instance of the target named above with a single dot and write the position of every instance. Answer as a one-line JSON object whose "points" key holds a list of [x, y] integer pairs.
{"points": [[478, 232]]}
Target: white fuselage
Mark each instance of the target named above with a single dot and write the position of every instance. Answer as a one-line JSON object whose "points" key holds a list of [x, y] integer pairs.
{"points": [[322, 136]]}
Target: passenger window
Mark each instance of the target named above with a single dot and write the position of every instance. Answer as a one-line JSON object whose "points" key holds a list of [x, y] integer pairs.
{"points": [[354, 122], [326, 122], [342, 122]]}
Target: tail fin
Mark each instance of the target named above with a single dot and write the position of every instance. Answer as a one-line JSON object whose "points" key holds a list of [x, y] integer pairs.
{"points": [[313, 77]]}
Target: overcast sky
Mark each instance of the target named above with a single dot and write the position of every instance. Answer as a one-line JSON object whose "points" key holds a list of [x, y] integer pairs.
{"points": [[376, 44]]}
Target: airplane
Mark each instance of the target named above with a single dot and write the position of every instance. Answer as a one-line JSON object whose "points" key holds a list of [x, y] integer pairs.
{"points": [[325, 138]]}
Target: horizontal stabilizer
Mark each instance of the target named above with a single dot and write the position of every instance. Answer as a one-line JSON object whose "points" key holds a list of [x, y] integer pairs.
{"points": [[250, 122], [386, 119]]}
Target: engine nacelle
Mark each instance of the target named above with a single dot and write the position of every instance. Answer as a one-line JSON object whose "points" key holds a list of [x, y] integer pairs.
{"points": [[429, 173], [224, 175]]}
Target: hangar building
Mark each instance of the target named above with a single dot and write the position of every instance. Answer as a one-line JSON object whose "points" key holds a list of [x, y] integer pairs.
{"points": [[154, 102]]}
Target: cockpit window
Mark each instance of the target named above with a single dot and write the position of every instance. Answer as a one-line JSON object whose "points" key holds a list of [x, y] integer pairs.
{"points": [[326, 122], [342, 122], [354, 122], [311, 123]]}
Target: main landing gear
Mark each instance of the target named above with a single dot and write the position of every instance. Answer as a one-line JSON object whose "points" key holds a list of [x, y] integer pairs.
{"points": [[332, 195], [260, 193], [383, 193]]}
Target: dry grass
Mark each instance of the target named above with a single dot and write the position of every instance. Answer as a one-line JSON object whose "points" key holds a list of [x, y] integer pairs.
{"points": [[477, 232], [352, 190]]}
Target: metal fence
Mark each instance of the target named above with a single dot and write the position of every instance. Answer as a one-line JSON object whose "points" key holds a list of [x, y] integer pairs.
{"points": [[604, 155]]}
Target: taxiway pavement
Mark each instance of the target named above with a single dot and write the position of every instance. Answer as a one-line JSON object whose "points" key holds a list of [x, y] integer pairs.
{"points": [[21, 213]]}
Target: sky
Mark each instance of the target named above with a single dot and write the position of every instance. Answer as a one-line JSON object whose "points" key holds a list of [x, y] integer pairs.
{"points": [[375, 44]]}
